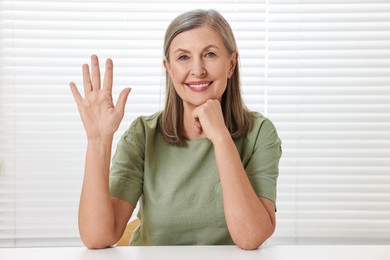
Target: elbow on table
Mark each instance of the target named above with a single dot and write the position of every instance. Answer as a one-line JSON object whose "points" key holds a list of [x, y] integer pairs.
{"points": [[249, 245], [94, 245], [247, 242], [96, 241]]}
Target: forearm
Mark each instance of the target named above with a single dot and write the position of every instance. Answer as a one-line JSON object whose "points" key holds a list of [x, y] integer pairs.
{"points": [[96, 215], [248, 220]]}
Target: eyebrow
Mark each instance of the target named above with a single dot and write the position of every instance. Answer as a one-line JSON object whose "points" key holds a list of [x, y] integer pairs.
{"points": [[205, 48]]}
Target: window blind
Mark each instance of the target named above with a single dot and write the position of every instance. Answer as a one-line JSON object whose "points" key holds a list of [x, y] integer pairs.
{"points": [[318, 69], [328, 91]]}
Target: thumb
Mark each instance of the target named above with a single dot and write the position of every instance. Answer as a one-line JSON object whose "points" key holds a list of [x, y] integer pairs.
{"points": [[122, 99]]}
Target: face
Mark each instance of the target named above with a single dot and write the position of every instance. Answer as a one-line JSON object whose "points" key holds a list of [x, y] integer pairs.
{"points": [[199, 66]]}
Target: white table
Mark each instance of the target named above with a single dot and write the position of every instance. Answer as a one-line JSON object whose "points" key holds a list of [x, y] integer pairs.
{"points": [[293, 252]]}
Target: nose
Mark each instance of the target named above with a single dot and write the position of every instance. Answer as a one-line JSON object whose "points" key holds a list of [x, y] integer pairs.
{"points": [[198, 68]]}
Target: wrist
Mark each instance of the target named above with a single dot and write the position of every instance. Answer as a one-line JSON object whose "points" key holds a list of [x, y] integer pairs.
{"points": [[100, 141], [222, 137]]}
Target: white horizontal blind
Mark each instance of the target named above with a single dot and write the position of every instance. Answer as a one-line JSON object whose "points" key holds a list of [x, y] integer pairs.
{"points": [[328, 92], [42, 47], [318, 69]]}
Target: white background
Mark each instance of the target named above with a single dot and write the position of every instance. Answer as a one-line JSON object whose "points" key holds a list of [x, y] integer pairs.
{"points": [[319, 69]]}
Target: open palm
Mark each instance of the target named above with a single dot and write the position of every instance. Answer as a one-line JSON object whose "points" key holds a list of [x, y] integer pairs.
{"points": [[100, 117]]}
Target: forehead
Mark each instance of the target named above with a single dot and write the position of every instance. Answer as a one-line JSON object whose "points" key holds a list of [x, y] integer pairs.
{"points": [[197, 38]]}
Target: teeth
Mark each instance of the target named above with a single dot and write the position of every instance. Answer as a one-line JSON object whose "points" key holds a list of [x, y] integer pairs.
{"points": [[199, 85]]}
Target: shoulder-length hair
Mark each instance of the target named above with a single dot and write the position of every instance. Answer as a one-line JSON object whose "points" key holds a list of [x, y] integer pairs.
{"points": [[237, 117]]}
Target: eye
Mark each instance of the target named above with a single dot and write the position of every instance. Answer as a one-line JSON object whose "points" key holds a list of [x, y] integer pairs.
{"points": [[210, 54], [183, 58]]}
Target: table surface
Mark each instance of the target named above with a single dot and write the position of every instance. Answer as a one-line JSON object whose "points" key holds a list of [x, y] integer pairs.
{"points": [[279, 252]]}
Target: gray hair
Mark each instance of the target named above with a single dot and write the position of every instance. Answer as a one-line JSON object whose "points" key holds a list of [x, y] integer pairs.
{"points": [[237, 117], [195, 19]]}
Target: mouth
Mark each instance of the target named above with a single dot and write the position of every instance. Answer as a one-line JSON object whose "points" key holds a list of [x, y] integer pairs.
{"points": [[199, 86]]}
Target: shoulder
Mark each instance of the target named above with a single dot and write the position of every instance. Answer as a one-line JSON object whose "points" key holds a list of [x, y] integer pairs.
{"points": [[143, 126], [257, 116], [149, 121], [260, 121], [262, 128]]}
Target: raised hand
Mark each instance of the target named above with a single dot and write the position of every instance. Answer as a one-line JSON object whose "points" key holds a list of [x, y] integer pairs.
{"points": [[100, 117]]}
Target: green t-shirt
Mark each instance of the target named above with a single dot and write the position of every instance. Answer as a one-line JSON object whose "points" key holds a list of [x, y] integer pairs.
{"points": [[179, 187]]}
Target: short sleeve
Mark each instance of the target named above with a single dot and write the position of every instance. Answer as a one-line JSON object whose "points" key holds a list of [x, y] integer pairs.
{"points": [[263, 167], [126, 175]]}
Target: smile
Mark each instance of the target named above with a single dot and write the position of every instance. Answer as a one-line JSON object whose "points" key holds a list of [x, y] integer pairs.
{"points": [[199, 86]]}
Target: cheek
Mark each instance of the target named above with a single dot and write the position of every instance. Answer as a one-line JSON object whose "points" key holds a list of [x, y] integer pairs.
{"points": [[222, 70], [178, 72]]}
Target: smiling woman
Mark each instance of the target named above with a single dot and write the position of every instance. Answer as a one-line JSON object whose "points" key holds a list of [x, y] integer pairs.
{"points": [[228, 180]]}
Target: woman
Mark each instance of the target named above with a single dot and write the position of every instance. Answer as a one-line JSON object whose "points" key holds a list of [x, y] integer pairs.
{"points": [[204, 169]]}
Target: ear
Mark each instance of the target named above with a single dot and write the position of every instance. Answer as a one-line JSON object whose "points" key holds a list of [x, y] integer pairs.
{"points": [[233, 63]]}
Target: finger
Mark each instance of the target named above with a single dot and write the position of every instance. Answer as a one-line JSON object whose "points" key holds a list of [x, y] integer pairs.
{"points": [[198, 125], [95, 72], [75, 92], [108, 75], [86, 80], [122, 99]]}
